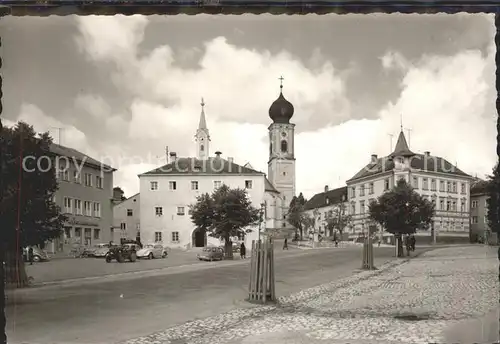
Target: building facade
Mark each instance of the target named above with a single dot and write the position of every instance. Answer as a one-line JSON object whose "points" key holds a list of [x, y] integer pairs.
{"points": [[325, 205], [167, 192], [126, 219], [433, 177], [85, 196], [479, 229]]}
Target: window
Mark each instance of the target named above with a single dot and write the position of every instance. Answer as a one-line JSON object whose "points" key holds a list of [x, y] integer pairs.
{"points": [[473, 204], [88, 208], [68, 209], [248, 184], [353, 192], [441, 204], [448, 205], [371, 187], [77, 178], [353, 208], [474, 219], [97, 232], [362, 207], [172, 185], [194, 185], [158, 211], [448, 186], [180, 211], [425, 184], [88, 179], [415, 182], [433, 184], [462, 188], [462, 205], [78, 207], [202, 148], [175, 236], [153, 186], [284, 146], [454, 205], [441, 186], [386, 184], [362, 190], [98, 182], [454, 187], [130, 212], [158, 237], [217, 184], [65, 175], [78, 232], [67, 232], [97, 209], [123, 226]]}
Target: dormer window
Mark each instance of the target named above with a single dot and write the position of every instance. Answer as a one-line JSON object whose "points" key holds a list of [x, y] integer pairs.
{"points": [[202, 148]]}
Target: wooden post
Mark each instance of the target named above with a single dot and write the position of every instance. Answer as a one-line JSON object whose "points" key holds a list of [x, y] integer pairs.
{"points": [[262, 282], [368, 263]]}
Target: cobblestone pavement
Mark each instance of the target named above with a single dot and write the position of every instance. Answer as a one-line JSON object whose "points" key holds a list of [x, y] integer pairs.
{"points": [[411, 302]]}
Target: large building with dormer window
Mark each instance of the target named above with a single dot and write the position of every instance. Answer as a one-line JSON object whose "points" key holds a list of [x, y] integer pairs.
{"points": [[433, 177], [167, 192]]}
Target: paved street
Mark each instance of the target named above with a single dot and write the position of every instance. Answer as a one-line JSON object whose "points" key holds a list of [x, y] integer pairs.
{"points": [[446, 295], [114, 310]]}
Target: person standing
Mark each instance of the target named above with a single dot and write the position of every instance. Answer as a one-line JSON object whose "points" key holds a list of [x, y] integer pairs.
{"points": [[412, 242], [243, 250], [285, 244], [30, 255]]}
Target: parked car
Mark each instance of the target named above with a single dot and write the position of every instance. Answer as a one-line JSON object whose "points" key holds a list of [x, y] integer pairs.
{"points": [[122, 253], [90, 252], [101, 252], [211, 253], [151, 251], [39, 255]]}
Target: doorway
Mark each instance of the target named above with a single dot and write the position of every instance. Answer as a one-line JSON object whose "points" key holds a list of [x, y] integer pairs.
{"points": [[199, 238]]}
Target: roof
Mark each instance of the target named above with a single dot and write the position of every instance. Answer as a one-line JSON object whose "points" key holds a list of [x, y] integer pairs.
{"points": [[269, 187], [428, 163], [334, 196], [210, 166], [479, 187], [79, 156], [402, 148]]}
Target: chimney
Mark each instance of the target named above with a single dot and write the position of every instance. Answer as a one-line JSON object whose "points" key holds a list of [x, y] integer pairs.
{"points": [[374, 158], [427, 154], [218, 153], [173, 156], [326, 188], [117, 194]]}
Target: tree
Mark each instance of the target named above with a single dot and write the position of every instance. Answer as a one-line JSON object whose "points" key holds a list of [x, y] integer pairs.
{"points": [[338, 219], [493, 190], [296, 215], [28, 215], [402, 211], [223, 214]]}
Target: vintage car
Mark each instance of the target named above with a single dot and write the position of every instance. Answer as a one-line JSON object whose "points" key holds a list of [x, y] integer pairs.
{"points": [[211, 253], [151, 251], [39, 255], [91, 252], [122, 253]]}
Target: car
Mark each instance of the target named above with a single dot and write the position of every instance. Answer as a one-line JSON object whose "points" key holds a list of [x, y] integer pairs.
{"points": [[103, 251], [151, 251], [90, 252], [39, 255], [122, 253], [211, 254]]}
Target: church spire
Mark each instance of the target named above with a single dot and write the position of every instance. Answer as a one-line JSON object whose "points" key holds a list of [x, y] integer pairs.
{"points": [[402, 148], [203, 121], [202, 135]]}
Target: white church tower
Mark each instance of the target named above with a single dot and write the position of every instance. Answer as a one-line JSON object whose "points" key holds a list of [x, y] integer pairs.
{"points": [[281, 164], [202, 136]]}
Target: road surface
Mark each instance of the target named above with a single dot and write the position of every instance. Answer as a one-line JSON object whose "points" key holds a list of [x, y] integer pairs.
{"points": [[110, 311]]}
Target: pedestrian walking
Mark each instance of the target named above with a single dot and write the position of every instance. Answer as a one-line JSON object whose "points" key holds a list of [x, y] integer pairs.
{"points": [[285, 244], [412, 242], [243, 250], [30, 255]]}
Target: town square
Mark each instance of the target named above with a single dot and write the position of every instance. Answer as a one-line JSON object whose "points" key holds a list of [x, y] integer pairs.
{"points": [[250, 179]]}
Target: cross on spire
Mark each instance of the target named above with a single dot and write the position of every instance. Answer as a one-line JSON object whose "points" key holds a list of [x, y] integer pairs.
{"points": [[202, 103], [281, 78], [401, 119]]}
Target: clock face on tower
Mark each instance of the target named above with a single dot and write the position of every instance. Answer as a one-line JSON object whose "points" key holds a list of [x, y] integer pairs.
{"points": [[283, 134]]}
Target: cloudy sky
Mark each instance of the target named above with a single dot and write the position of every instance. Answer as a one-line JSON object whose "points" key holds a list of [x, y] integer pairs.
{"points": [[126, 87]]}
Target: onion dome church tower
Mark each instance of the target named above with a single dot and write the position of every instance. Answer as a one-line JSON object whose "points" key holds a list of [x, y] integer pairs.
{"points": [[281, 164]]}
